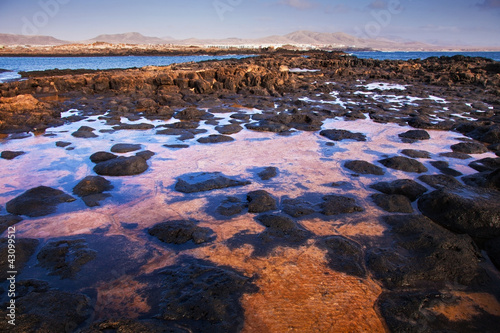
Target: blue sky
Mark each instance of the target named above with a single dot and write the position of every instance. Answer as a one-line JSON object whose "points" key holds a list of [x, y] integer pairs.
{"points": [[464, 22]]}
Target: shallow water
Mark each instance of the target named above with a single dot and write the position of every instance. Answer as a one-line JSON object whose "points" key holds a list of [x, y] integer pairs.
{"points": [[298, 291]]}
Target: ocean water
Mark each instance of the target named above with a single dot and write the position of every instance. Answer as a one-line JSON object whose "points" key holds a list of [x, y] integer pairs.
{"points": [[14, 65], [422, 55]]}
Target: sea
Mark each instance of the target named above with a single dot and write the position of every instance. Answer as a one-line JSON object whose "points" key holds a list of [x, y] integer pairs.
{"points": [[11, 66]]}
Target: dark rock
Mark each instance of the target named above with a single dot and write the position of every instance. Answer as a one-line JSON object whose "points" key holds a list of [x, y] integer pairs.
{"points": [[268, 173], [205, 181], [7, 221], [192, 114], [439, 181], [136, 127], [486, 164], [464, 209], [364, 168], [121, 148], [132, 326], [393, 203], [10, 155], [425, 253], [277, 222], [267, 126], [404, 164], [336, 204], [180, 232], [183, 125], [84, 132], [63, 144], [176, 146], [444, 167], [38, 201], [343, 255], [415, 135], [407, 187], [102, 156], [485, 179], [93, 200], [416, 153], [230, 206], [122, 166], [298, 207], [492, 247], [184, 134], [457, 155], [415, 311], [44, 310], [206, 296], [469, 148], [25, 248], [65, 258], [146, 154], [339, 135], [260, 202], [229, 129], [92, 185], [214, 138]]}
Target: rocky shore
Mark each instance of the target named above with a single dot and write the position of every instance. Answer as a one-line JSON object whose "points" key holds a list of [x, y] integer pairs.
{"points": [[307, 191]]}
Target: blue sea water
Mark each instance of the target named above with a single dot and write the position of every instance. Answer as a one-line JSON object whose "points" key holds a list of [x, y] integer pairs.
{"points": [[422, 55], [13, 65]]}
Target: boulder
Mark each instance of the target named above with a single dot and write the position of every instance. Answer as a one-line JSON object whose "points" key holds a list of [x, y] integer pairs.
{"points": [[229, 129], [469, 148], [102, 156], [260, 202], [121, 148], [464, 209], [407, 187], [122, 166], [339, 135], [404, 164], [393, 203], [84, 132], [268, 173], [206, 181], [10, 155], [364, 168], [180, 232], [415, 135], [336, 204], [439, 181], [214, 138], [416, 153], [444, 167], [38, 201]]}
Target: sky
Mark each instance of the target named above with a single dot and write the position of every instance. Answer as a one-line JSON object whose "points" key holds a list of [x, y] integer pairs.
{"points": [[443, 22]]}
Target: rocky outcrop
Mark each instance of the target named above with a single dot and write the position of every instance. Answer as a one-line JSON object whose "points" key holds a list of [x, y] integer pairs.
{"points": [[38, 201]]}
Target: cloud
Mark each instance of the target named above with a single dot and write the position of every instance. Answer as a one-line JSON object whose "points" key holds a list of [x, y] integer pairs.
{"points": [[489, 4], [378, 4], [298, 4]]}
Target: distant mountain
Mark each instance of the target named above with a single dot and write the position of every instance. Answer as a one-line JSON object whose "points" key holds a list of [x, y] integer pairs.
{"points": [[127, 38], [10, 39], [336, 40]]}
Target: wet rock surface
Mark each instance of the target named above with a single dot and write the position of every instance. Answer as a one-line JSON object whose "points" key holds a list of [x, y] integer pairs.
{"points": [[214, 138], [404, 164], [38, 201], [180, 232], [464, 209], [415, 135], [416, 153], [85, 132], [364, 168], [122, 166], [469, 148], [206, 181], [65, 258], [444, 167]]}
